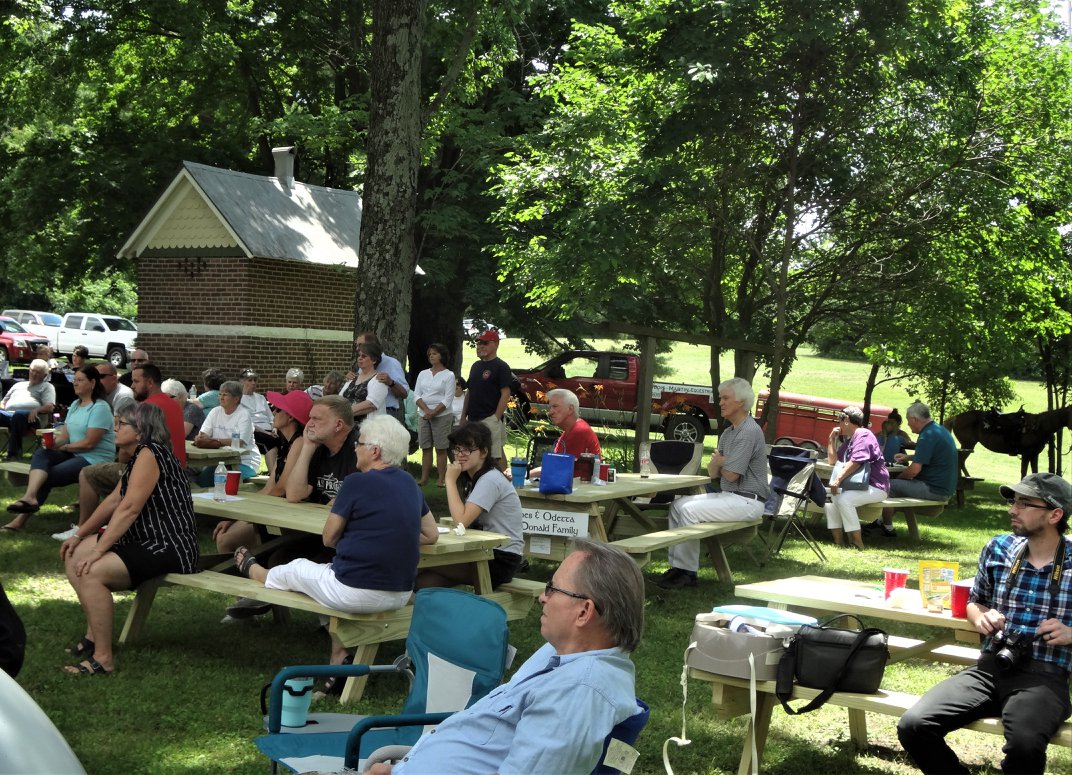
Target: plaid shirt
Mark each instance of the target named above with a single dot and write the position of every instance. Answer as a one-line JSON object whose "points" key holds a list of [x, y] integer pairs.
{"points": [[1028, 603]]}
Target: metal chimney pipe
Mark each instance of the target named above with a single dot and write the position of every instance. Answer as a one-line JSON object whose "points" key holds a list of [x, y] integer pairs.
{"points": [[284, 165]]}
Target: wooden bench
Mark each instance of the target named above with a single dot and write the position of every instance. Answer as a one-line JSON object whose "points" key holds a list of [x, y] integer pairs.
{"points": [[715, 536], [730, 697], [965, 483], [18, 471], [948, 653], [364, 632]]}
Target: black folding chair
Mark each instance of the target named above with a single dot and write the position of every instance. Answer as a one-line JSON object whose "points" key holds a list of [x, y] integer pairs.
{"points": [[792, 471]]}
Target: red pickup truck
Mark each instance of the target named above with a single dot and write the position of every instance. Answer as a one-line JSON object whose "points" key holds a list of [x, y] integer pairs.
{"points": [[606, 385]]}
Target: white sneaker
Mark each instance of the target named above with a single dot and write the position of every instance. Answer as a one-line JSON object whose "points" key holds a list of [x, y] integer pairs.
{"points": [[63, 536]]}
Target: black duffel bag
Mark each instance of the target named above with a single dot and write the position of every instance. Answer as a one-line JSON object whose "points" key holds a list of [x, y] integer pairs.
{"points": [[834, 660]]}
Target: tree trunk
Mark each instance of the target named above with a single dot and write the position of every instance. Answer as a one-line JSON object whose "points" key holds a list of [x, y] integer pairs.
{"points": [[388, 255]]}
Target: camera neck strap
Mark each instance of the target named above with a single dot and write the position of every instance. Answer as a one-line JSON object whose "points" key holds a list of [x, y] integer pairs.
{"points": [[1056, 570]]}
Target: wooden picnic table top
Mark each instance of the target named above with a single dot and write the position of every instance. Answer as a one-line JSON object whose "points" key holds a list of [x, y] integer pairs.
{"points": [[863, 598], [626, 486], [310, 518], [200, 456]]}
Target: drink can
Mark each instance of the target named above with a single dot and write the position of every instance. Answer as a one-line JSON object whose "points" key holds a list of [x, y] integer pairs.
{"points": [[612, 476]]}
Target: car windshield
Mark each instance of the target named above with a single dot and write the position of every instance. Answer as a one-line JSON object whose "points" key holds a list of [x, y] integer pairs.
{"points": [[11, 327], [120, 324], [48, 319]]}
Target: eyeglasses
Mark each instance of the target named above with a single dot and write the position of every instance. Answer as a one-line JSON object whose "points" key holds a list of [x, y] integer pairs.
{"points": [[247, 374], [463, 450], [1020, 504], [364, 444], [102, 376], [120, 423], [139, 360], [549, 589]]}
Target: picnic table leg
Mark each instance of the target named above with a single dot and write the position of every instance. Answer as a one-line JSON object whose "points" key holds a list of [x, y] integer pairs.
{"points": [[483, 578], [139, 610], [718, 559], [858, 728], [355, 687], [595, 524], [759, 726]]}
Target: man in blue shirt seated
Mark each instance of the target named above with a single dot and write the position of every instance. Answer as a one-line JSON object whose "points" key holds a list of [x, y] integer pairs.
{"points": [[932, 475], [556, 711], [1021, 602]]}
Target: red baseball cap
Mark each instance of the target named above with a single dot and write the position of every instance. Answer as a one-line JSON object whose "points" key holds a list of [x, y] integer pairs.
{"points": [[489, 336]]}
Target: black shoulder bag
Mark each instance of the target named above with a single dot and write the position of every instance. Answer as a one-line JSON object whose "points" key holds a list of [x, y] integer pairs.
{"points": [[824, 657]]}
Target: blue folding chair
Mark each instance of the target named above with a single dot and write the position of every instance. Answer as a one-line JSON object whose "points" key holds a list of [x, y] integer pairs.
{"points": [[457, 648]]}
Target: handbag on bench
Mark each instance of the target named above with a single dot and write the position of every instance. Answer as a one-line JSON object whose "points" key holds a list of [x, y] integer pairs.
{"points": [[834, 660]]}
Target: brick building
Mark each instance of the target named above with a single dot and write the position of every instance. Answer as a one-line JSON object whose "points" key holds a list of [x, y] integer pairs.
{"points": [[239, 270]]}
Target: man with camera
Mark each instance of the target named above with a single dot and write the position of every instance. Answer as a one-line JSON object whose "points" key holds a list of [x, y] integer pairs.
{"points": [[1021, 602]]}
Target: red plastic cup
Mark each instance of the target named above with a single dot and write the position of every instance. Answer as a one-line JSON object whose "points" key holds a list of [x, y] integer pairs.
{"points": [[234, 478], [604, 471], [48, 438], [958, 598], [896, 578]]}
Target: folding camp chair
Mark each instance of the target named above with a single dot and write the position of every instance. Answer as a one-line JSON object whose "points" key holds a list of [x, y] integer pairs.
{"points": [[793, 484], [457, 650], [624, 734]]}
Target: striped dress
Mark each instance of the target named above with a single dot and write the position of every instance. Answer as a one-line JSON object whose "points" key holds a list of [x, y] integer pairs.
{"points": [[166, 524]]}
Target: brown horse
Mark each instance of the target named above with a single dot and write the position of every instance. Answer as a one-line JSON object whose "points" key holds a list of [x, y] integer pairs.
{"points": [[1015, 433]]}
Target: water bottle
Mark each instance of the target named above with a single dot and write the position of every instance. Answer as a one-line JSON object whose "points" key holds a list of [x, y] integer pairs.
{"points": [[219, 483], [236, 441]]}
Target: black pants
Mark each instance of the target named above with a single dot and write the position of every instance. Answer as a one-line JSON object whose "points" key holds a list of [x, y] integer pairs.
{"points": [[19, 423], [1031, 706]]}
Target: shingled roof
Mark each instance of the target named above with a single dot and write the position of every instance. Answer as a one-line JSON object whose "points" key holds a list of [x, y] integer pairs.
{"points": [[207, 211]]}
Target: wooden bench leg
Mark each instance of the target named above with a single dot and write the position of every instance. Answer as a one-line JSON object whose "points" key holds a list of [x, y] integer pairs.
{"points": [[758, 727], [718, 559], [139, 611], [355, 687], [858, 728], [913, 528]]}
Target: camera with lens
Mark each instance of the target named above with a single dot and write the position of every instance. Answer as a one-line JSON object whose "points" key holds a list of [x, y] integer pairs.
{"points": [[1011, 648]]}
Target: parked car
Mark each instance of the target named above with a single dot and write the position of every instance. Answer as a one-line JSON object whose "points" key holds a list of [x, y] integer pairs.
{"points": [[18, 345], [46, 324], [474, 327], [105, 336]]}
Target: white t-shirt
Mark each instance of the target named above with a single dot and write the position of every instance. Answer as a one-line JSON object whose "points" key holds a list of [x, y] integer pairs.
{"points": [[257, 405], [220, 425]]}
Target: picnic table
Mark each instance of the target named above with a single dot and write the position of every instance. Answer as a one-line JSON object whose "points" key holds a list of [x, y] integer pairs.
{"points": [[290, 521], [200, 457], [601, 512]]}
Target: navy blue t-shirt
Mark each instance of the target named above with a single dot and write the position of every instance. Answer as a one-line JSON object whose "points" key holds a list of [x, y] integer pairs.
{"points": [[380, 545], [486, 381]]}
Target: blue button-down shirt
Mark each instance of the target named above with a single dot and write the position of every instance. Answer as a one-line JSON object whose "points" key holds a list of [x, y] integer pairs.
{"points": [[1026, 601], [551, 717]]}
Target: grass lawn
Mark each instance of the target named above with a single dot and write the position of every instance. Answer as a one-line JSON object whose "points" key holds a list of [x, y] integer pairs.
{"points": [[185, 699]]}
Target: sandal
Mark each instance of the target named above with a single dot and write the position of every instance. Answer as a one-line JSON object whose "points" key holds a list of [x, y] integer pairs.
{"points": [[88, 667], [83, 649], [248, 560], [22, 507], [333, 685]]}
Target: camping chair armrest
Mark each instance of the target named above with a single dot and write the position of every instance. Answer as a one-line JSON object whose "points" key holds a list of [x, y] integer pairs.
{"points": [[353, 742], [275, 688]]}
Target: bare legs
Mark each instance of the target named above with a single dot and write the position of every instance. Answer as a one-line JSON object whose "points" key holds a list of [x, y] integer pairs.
{"points": [[95, 578], [426, 466]]}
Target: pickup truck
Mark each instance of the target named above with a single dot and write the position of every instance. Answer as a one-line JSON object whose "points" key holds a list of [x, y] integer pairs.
{"points": [[105, 336], [606, 385]]}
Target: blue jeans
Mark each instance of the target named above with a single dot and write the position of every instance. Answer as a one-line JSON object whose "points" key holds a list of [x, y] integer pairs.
{"points": [[18, 421], [62, 469]]}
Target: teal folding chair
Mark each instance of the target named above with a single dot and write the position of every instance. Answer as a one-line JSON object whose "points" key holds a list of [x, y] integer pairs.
{"points": [[457, 651]]}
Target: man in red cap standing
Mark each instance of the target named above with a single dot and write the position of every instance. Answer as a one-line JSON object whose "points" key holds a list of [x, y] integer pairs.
{"points": [[489, 393]]}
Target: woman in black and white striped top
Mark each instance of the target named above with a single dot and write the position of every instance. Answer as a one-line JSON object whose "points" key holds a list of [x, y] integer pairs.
{"points": [[151, 531]]}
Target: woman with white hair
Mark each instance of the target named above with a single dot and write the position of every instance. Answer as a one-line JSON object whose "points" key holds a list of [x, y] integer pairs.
{"points": [[377, 524], [193, 416], [858, 446]]}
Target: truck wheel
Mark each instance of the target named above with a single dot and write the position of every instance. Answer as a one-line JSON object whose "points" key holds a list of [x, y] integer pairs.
{"points": [[814, 447], [684, 427], [784, 441], [117, 356], [3, 354]]}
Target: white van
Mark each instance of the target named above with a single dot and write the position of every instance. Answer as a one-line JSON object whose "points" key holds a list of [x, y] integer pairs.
{"points": [[46, 324]]}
